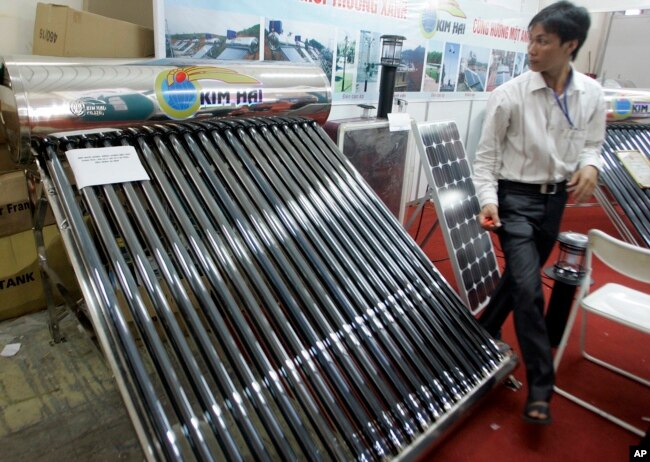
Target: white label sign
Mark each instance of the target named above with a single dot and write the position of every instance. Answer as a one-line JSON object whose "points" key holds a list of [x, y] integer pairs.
{"points": [[398, 121], [99, 166]]}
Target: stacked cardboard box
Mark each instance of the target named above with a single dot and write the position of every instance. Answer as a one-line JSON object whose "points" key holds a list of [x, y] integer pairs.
{"points": [[58, 31], [21, 289], [15, 204], [62, 31]]}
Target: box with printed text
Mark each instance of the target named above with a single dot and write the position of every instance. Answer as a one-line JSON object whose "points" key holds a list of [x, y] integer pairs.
{"points": [[62, 31]]}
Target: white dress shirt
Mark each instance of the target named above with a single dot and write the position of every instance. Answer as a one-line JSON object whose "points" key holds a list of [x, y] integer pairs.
{"points": [[527, 137]]}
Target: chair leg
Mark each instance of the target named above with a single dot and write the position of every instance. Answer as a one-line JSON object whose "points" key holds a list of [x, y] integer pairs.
{"points": [[600, 412], [558, 358], [600, 362], [583, 332], [565, 336], [618, 370]]}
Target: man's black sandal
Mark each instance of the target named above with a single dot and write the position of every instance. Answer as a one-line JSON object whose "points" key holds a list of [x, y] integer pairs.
{"points": [[542, 408]]}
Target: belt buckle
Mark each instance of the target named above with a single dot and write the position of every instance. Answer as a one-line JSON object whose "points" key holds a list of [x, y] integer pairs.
{"points": [[548, 188]]}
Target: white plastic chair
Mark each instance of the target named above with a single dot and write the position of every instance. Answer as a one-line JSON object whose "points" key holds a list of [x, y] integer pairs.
{"points": [[613, 301]]}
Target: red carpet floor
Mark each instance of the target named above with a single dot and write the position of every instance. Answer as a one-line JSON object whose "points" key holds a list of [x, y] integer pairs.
{"points": [[494, 429]]}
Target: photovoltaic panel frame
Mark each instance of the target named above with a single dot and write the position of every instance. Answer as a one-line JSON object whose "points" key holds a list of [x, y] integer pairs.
{"points": [[469, 246]]}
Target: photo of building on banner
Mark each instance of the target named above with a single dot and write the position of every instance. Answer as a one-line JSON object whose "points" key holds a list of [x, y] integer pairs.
{"points": [[453, 48], [299, 42], [202, 34]]}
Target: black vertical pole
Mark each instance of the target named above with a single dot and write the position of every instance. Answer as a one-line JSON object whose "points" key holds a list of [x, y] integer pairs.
{"points": [[558, 310], [386, 90]]}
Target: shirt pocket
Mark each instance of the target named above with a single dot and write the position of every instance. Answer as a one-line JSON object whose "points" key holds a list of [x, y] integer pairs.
{"points": [[575, 140]]}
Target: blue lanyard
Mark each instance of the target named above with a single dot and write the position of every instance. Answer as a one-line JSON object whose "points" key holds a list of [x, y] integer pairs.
{"points": [[565, 107]]}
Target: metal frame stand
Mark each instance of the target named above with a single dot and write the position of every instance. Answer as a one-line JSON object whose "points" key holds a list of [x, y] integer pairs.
{"points": [[420, 209], [49, 278], [613, 215]]}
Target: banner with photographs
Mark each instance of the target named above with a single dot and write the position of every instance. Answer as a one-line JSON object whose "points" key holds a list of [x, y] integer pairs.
{"points": [[452, 48]]}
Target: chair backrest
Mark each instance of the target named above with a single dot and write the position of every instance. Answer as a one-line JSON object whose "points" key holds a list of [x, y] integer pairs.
{"points": [[628, 259]]}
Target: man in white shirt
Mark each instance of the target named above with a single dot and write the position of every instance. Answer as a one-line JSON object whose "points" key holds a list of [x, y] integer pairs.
{"points": [[541, 139]]}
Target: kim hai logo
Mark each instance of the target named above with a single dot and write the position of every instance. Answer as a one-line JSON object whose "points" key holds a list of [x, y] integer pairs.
{"points": [[429, 18], [179, 91]]}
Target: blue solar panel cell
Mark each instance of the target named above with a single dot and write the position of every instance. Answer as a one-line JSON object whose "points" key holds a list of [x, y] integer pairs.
{"points": [[476, 272], [455, 238], [448, 175], [468, 279], [471, 253], [484, 245], [455, 151], [476, 231], [432, 155], [437, 175], [484, 265], [482, 292], [466, 173], [449, 217], [464, 233], [447, 133], [461, 256], [458, 174], [473, 297], [437, 136]]}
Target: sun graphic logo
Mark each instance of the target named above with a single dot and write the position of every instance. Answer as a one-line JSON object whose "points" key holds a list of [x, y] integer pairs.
{"points": [[430, 12], [178, 90]]}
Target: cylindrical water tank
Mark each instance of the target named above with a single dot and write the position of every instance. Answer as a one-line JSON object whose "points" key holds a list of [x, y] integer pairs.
{"points": [[39, 95]]}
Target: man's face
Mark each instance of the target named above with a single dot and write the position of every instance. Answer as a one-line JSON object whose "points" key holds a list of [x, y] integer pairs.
{"points": [[545, 51]]}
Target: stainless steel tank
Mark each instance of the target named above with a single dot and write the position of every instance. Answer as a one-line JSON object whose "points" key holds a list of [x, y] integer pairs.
{"points": [[39, 95], [627, 104]]}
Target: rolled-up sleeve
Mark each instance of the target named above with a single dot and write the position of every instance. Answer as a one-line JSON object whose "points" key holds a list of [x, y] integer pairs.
{"points": [[485, 170]]}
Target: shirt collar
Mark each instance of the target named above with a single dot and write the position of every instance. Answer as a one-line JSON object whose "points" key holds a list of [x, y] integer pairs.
{"points": [[537, 82]]}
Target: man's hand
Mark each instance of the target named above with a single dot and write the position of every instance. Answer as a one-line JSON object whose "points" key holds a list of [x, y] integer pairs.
{"points": [[489, 217], [583, 182]]}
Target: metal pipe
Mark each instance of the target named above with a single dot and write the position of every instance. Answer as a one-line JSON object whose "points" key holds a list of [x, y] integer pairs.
{"points": [[339, 241], [260, 255], [119, 345], [357, 193], [318, 256], [178, 194], [343, 226]]}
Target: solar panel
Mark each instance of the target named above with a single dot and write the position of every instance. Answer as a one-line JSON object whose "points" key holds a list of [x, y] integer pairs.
{"points": [[296, 318], [233, 53], [293, 55], [473, 80], [469, 246], [203, 51]]}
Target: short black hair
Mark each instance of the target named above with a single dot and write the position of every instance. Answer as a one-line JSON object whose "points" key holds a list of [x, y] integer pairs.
{"points": [[566, 20]]}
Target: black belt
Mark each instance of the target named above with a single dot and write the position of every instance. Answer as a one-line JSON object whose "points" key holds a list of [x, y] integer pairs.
{"points": [[530, 188]]}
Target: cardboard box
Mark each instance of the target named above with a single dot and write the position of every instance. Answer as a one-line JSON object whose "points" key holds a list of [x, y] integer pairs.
{"points": [[15, 206], [62, 31], [6, 160], [21, 287], [135, 11]]}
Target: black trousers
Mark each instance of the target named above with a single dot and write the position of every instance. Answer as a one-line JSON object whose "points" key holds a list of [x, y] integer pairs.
{"points": [[530, 226]]}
